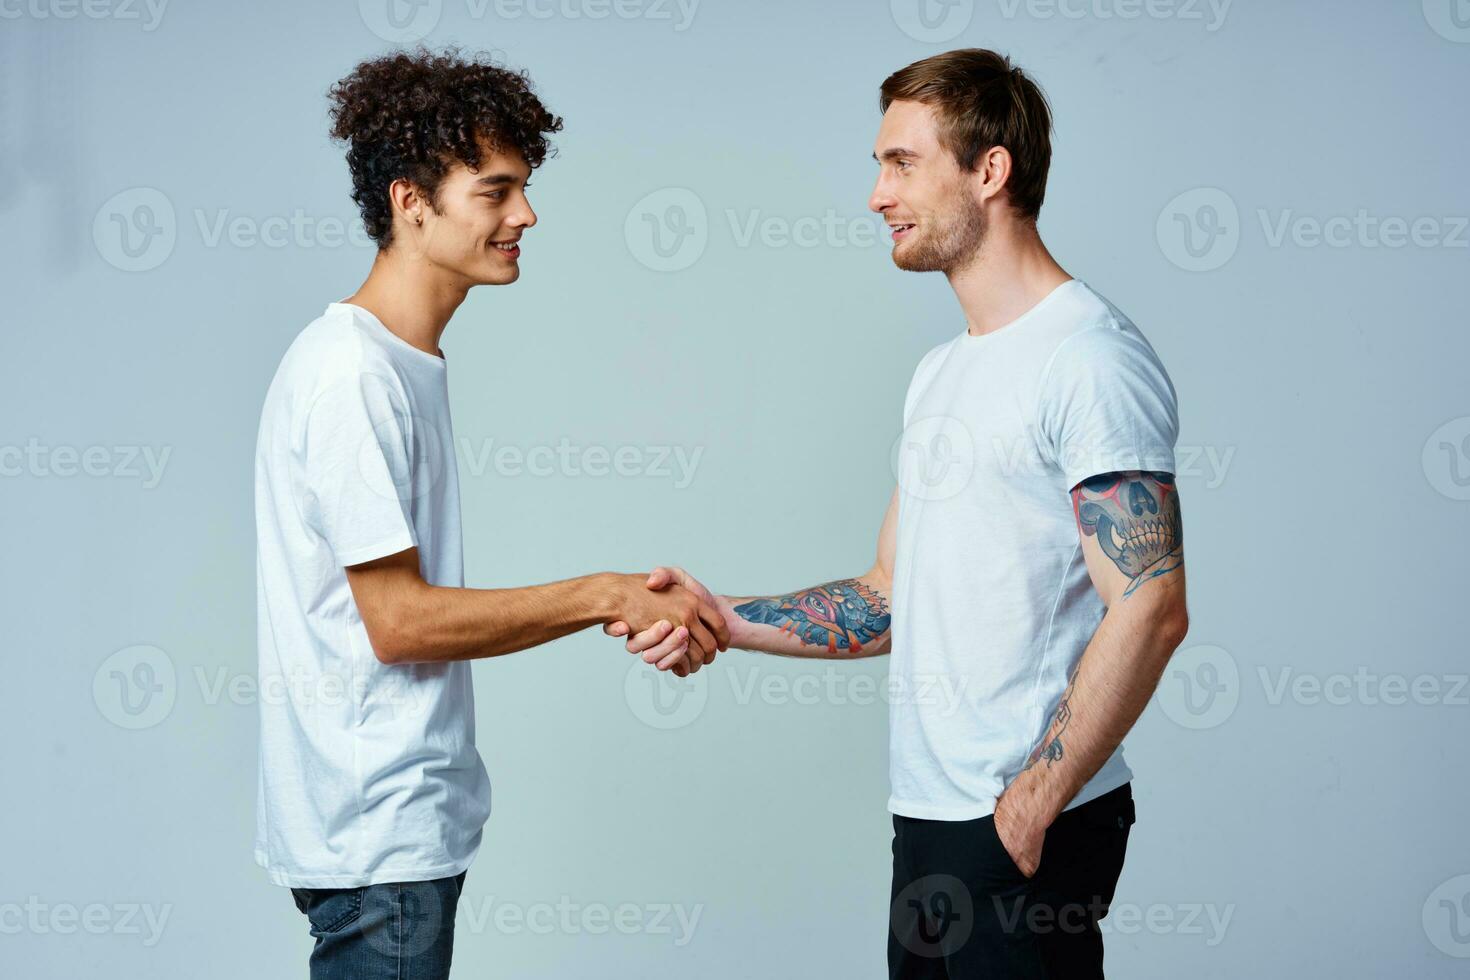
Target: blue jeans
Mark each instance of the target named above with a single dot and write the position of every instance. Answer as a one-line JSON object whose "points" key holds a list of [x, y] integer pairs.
{"points": [[382, 932]]}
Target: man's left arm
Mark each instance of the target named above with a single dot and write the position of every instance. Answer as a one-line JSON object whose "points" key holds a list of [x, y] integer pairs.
{"points": [[1133, 543]]}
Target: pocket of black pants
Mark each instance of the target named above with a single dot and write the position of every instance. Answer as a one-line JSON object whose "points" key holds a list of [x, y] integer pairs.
{"points": [[329, 910], [1001, 852]]}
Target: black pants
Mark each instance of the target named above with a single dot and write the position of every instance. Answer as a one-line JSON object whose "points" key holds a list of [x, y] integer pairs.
{"points": [[961, 908]]}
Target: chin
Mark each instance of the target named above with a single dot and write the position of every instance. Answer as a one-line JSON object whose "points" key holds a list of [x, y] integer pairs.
{"points": [[498, 277]]}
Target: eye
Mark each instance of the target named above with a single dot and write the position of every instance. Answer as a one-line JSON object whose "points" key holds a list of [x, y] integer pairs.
{"points": [[904, 165]]}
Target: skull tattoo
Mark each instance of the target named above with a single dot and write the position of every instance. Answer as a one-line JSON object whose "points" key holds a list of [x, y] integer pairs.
{"points": [[1135, 518]]}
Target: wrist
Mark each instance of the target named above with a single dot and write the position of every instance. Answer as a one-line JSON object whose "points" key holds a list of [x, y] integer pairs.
{"points": [[609, 595]]}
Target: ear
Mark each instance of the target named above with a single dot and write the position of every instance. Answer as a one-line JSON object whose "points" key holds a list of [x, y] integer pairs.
{"points": [[992, 170], [407, 201]]}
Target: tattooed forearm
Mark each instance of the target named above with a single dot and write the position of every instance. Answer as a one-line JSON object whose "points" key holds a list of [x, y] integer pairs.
{"points": [[1050, 748], [841, 615], [1135, 518]]}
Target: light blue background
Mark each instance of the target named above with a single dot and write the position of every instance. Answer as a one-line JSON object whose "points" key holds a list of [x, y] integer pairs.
{"points": [[1331, 539]]}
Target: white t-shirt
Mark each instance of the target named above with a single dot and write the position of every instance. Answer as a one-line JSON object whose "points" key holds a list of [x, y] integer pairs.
{"points": [[992, 603], [368, 772]]}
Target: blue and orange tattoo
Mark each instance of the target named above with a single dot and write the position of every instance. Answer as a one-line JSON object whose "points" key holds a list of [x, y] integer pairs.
{"points": [[839, 615]]}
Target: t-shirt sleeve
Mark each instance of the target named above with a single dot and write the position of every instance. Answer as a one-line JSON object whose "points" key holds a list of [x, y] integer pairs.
{"points": [[1107, 405], [358, 469]]}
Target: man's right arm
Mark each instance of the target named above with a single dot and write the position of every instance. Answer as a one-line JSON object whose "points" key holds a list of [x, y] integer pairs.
{"points": [[411, 621], [842, 619]]}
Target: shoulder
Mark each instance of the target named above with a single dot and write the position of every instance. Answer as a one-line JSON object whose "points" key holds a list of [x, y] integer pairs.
{"points": [[1098, 337]]}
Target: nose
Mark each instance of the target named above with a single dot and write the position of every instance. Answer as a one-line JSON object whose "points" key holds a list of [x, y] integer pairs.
{"points": [[523, 216], [881, 199]]}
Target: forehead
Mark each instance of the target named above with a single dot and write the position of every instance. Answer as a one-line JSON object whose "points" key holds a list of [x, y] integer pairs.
{"points": [[911, 125], [494, 162]]}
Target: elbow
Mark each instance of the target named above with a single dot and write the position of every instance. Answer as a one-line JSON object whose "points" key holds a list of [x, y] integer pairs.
{"points": [[388, 634], [1173, 625]]}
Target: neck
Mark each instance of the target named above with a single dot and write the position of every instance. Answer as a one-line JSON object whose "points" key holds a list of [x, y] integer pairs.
{"points": [[1011, 272], [410, 297]]}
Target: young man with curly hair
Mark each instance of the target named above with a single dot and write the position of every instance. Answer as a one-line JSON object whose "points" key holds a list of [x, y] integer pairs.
{"points": [[372, 795], [1029, 577]]}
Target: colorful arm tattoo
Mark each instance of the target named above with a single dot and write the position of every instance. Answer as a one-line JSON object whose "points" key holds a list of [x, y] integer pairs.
{"points": [[839, 615], [1135, 518]]}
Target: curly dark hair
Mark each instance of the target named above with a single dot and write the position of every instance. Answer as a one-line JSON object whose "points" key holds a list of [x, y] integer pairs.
{"points": [[412, 114]]}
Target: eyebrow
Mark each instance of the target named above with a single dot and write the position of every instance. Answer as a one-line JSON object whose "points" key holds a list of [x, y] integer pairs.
{"points": [[497, 180], [893, 153]]}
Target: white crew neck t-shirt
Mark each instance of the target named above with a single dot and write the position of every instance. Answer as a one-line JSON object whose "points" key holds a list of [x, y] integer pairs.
{"points": [[992, 603], [368, 772]]}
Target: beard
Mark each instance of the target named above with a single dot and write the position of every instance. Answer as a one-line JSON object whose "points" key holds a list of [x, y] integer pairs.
{"points": [[944, 245]]}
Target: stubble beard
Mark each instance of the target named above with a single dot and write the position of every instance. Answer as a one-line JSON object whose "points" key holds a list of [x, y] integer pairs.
{"points": [[947, 247]]}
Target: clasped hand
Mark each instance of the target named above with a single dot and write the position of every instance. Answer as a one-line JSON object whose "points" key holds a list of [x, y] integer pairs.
{"points": [[672, 620]]}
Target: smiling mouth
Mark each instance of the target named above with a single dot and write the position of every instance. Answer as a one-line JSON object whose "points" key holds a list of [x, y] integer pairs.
{"points": [[900, 230], [510, 250]]}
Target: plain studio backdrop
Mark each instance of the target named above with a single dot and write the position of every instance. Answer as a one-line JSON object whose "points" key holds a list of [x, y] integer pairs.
{"points": [[704, 363]]}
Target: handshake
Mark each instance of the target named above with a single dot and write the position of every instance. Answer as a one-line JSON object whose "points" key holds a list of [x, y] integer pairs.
{"points": [[671, 619]]}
